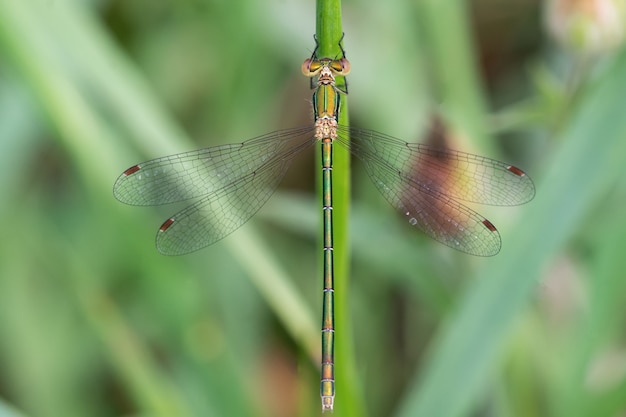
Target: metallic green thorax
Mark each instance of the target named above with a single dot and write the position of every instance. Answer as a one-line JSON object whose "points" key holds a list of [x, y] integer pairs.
{"points": [[326, 106]]}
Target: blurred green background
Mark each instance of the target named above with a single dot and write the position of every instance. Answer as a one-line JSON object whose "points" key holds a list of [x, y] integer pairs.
{"points": [[94, 322]]}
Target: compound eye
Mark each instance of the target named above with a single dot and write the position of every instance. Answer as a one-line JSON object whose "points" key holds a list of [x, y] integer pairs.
{"points": [[340, 66], [345, 65], [306, 67], [311, 67]]}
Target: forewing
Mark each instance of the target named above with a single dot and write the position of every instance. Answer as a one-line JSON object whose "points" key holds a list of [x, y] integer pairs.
{"points": [[456, 174], [202, 172]]}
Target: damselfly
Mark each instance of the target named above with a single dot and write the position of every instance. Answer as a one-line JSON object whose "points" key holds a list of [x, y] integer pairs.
{"points": [[423, 182]]}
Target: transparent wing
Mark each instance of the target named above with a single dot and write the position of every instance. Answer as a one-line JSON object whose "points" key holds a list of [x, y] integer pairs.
{"points": [[440, 217], [234, 180], [201, 172], [458, 175], [423, 182], [221, 213]]}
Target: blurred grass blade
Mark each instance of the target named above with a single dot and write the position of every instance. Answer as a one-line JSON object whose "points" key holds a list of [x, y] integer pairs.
{"points": [[592, 338], [54, 59], [7, 411], [585, 168]]}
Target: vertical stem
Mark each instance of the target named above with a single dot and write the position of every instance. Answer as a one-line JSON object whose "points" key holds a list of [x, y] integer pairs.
{"points": [[349, 401], [328, 27]]}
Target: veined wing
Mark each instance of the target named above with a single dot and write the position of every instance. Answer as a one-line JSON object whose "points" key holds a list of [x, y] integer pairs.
{"points": [[434, 213], [456, 174], [220, 213], [234, 182], [201, 172], [423, 182]]}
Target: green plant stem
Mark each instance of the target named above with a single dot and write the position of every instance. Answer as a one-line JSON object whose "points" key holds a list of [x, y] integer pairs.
{"points": [[349, 400]]}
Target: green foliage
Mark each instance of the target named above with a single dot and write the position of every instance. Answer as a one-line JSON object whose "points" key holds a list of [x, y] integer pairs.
{"points": [[93, 322]]}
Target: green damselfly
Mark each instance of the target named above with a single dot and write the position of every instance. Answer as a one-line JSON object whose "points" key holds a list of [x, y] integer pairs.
{"points": [[424, 183]]}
